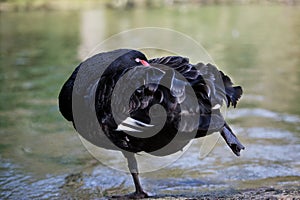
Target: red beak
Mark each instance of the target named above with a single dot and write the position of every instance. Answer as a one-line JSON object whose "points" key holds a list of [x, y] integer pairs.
{"points": [[145, 63]]}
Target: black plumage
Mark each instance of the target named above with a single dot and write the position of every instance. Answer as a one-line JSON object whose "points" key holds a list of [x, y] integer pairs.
{"points": [[87, 103]]}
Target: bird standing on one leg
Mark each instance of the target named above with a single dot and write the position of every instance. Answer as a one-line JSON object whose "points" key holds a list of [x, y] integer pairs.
{"points": [[86, 100]]}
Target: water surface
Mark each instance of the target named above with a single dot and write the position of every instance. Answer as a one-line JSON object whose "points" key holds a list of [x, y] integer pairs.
{"points": [[257, 46]]}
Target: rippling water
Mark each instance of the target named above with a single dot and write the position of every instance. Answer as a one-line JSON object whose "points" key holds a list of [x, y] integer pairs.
{"points": [[257, 46]]}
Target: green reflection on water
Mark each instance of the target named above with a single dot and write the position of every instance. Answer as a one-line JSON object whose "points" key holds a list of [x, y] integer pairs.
{"points": [[38, 50], [257, 46]]}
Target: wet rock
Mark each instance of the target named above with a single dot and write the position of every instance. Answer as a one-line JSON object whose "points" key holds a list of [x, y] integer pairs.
{"points": [[74, 180]]}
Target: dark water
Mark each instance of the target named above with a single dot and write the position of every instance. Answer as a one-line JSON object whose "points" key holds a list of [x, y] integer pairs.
{"points": [[257, 46]]}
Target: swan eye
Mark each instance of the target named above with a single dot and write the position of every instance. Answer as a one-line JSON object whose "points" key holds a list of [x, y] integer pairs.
{"points": [[143, 62]]}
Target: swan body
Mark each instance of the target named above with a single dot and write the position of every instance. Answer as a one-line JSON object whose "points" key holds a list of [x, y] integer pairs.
{"points": [[191, 96]]}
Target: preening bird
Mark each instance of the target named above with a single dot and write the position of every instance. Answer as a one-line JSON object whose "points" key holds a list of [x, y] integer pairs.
{"points": [[191, 96]]}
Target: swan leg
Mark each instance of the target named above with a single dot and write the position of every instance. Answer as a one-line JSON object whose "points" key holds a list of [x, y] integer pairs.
{"points": [[133, 168], [231, 140]]}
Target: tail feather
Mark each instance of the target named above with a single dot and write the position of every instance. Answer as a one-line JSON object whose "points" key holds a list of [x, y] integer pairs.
{"points": [[238, 91], [233, 94]]}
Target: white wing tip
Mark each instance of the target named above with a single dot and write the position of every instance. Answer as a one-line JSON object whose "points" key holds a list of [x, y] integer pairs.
{"points": [[133, 125]]}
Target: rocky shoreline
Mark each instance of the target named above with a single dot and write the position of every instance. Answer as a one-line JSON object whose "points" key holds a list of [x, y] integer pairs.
{"points": [[72, 189]]}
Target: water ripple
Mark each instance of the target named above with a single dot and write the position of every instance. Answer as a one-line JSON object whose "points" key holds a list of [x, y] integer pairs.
{"points": [[259, 112]]}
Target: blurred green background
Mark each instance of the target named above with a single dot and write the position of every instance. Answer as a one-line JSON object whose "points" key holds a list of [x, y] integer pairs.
{"points": [[256, 42]]}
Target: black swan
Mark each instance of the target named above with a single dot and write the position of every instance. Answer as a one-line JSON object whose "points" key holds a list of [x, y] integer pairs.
{"points": [[87, 103]]}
